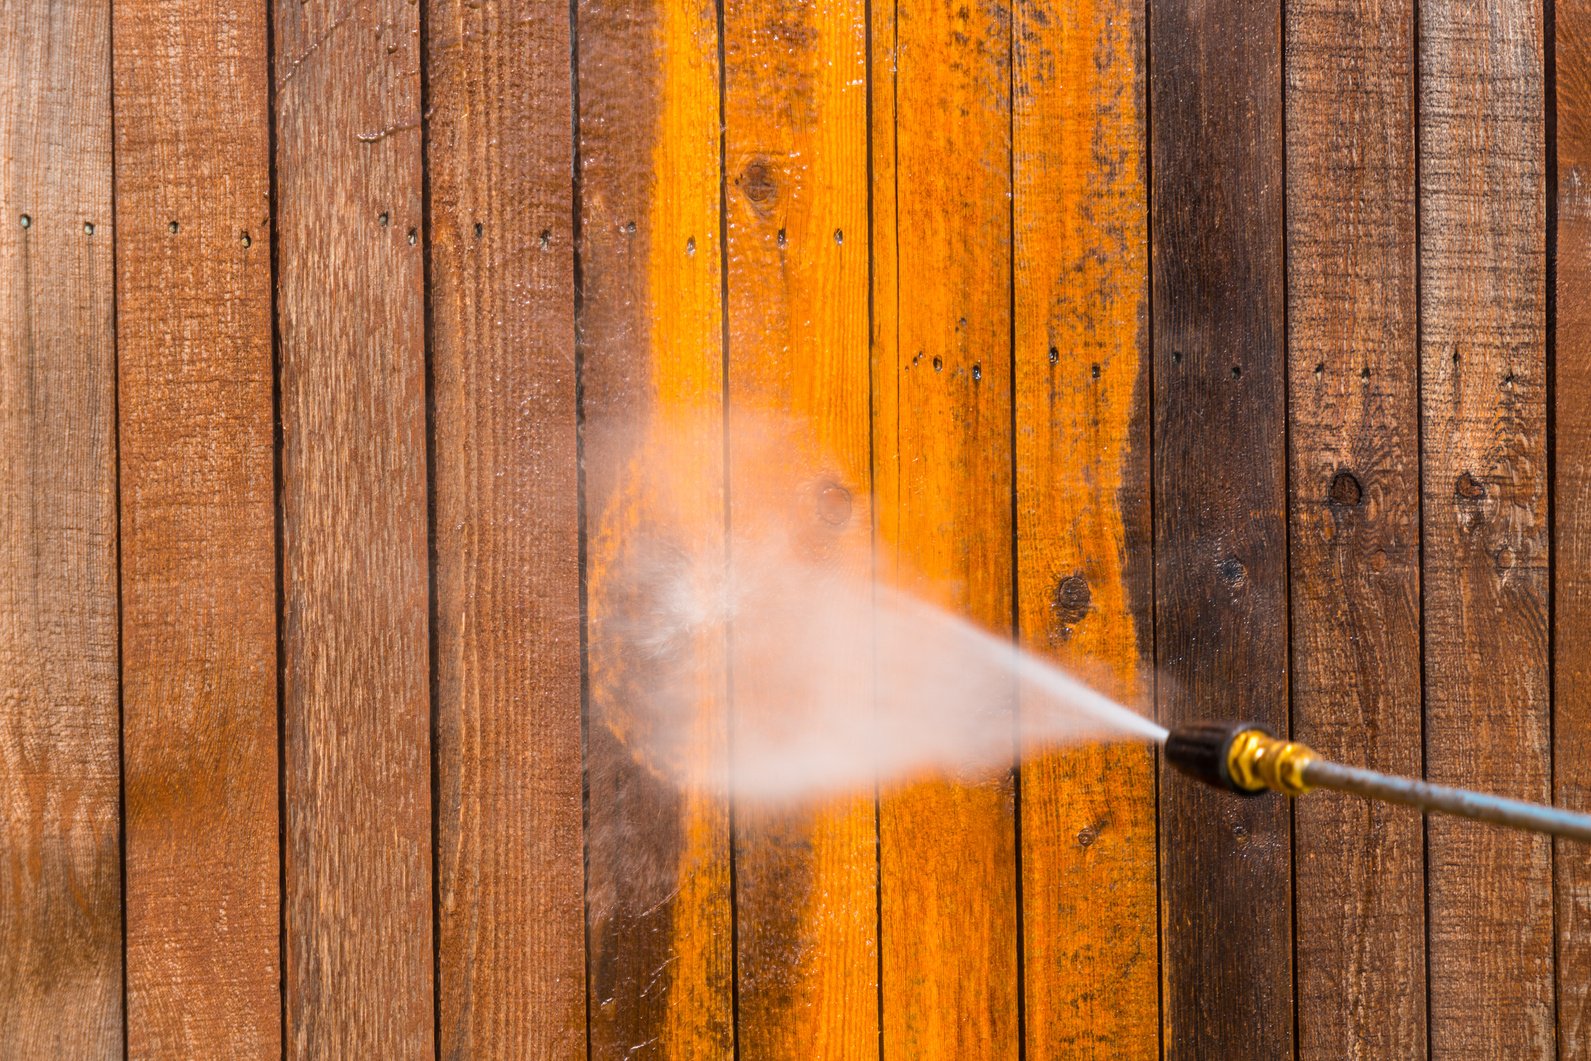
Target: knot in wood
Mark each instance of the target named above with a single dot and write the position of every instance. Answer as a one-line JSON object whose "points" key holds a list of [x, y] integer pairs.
{"points": [[758, 184], [1345, 489], [1070, 601], [833, 504]]}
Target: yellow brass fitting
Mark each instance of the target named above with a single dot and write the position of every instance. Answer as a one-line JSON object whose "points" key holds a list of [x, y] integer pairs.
{"points": [[1255, 761]]}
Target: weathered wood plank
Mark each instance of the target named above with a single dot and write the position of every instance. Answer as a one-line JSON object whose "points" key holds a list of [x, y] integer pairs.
{"points": [[1355, 563], [356, 694], [198, 551], [943, 461], [60, 890], [509, 842], [1487, 714], [1220, 512], [1089, 912], [1571, 511], [658, 883], [795, 106]]}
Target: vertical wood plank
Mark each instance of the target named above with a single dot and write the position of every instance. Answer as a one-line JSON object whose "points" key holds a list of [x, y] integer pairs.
{"points": [[509, 805], [60, 889], [1571, 510], [1220, 512], [356, 669], [198, 529], [1482, 306], [1089, 913], [658, 882], [1355, 555], [943, 466], [795, 109]]}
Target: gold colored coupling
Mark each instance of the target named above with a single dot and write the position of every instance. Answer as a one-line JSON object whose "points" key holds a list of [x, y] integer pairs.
{"points": [[1255, 761]]}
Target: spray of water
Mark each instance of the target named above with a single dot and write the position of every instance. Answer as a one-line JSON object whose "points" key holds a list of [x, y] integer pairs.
{"points": [[836, 681]]}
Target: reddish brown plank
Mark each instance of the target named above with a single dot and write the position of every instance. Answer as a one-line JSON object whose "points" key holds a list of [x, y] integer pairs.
{"points": [[1487, 712], [795, 104], [943, 462], [1220, 512], [198, 529], [356, 704], [60, 888], [1355, 559], [509, 845], [658, 883], [1083, 531], [1571, 512]]}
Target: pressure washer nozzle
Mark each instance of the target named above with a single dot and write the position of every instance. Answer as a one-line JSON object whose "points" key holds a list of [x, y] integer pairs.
{"points": [[1241, 757]]}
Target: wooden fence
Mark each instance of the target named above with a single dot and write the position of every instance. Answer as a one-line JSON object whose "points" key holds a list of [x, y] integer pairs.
{"points": [[1238, 350]]}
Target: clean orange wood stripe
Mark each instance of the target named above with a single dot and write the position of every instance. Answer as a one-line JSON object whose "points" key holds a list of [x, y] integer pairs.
{"points": [[351, 312], [1485, 495], [1355, 539], [943, 461], [652, 378], [60, 868], [198, 529], [509, 849], [1083, 549], [795, 109]]}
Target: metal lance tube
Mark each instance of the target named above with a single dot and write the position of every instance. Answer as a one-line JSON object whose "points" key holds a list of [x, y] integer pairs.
{"points": [[1248, 759]]}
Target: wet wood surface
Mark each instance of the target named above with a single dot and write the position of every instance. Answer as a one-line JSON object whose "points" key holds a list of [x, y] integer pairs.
{"points": [[660, 962], [799, 451], [943, 464], [1083, 519], [377, 382], [198, 530], [1220, 504]]}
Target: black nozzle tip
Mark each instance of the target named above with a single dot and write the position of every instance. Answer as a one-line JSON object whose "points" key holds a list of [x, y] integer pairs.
{"points": [[1201, 750]]}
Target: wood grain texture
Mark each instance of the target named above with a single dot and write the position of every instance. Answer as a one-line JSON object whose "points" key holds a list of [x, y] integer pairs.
{"points": [[1089, 917], [509, 804], [356, 700], [198, 525], [60, 871], [1354, 566], [651, 328], [1571, 514], [1220, 512], [1485, 498], [943, 465], [795, 106]]}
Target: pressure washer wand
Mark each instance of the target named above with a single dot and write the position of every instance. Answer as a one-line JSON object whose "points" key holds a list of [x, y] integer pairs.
{"points": [[1248, 759]]}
